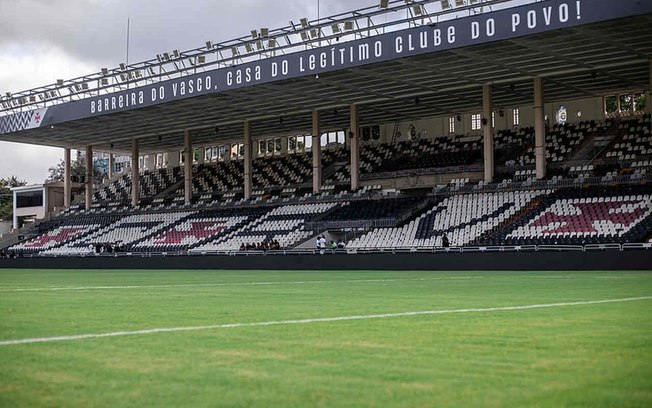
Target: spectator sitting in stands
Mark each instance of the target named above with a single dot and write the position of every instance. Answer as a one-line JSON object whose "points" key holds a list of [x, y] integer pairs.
{"points": [[333, 245], [243, 247], [341, 244], [444, 241]]}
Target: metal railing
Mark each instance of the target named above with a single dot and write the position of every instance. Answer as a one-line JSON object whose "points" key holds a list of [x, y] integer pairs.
{"points": [[262, 43], [358, 251], [542, 184]]}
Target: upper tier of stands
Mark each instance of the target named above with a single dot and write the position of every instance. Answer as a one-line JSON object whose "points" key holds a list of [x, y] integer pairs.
{"points": [[628, 150]]}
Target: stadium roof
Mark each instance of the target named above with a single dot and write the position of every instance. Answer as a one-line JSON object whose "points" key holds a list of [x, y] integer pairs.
{"points": [[585, 60]]}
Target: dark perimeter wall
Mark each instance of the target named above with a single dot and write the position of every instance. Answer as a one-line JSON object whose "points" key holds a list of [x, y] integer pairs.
{"points": [[516, 261]]}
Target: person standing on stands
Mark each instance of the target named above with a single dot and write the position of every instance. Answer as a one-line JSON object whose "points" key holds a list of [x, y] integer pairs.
{"points": [[444, 241]]}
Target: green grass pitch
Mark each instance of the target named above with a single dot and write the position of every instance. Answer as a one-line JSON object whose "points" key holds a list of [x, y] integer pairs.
{"points": [[591, 355]]}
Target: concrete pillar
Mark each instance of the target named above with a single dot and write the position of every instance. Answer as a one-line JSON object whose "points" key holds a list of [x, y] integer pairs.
{"points": [[248, 163], [488, 130], [111, 165], [135, 174], [15, 218], [355, 148], [66, 178], [89, 177], [316, 153], [188, 155], [46, 203], [539, 129], [648, 93]]}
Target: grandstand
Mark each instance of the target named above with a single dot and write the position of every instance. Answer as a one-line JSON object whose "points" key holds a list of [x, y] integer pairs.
{"points": [[425, 125], [480, 170]]}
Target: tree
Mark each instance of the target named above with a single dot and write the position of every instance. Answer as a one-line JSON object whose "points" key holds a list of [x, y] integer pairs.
{"points": [[77, 170], [6, 197]]}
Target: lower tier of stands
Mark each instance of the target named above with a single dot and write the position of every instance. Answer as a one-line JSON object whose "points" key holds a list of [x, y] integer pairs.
{"points": [[540, 216]]}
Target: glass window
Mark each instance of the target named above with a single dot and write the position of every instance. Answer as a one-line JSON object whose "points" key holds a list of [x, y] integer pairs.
{"points": [[451, 125], [29, 199], [562, 115], [639, 101], [278, 145], [476, 121], [626, 103], [516, 117], [610, 104]]}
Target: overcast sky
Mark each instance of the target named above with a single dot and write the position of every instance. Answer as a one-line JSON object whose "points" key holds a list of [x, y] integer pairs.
{"points": [[44, 40]]}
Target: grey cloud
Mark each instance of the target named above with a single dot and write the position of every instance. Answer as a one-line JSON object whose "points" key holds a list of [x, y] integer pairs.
{"points": [[95, 31]]}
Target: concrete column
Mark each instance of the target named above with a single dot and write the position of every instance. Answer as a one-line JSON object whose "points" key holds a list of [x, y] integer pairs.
{"points": [[89, 177], [66, 178], [488, 130], [355, 148], [15, 218], [188, 154], [135, 174], [15, 223], [173, 159], [248, 162], [46, 203], [648, 93], [111, 165], [316, 153], [539, 129]]}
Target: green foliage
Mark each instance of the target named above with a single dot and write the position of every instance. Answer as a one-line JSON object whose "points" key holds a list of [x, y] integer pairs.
{"points": [[589, 355], [6, 197], [641, 102], [77, 169]]}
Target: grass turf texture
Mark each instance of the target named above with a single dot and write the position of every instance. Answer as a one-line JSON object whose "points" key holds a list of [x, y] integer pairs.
{"points": [[586, 355]]}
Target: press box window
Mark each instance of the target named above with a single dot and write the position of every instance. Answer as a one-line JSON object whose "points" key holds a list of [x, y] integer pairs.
{"points": [[29, 199]]}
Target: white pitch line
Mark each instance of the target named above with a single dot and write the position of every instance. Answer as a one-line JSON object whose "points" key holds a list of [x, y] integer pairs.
{"points": [[190, 285], [313, 320]]}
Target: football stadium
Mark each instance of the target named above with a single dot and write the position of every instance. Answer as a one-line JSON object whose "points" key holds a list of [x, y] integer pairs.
{"points": [[413, 203]]}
